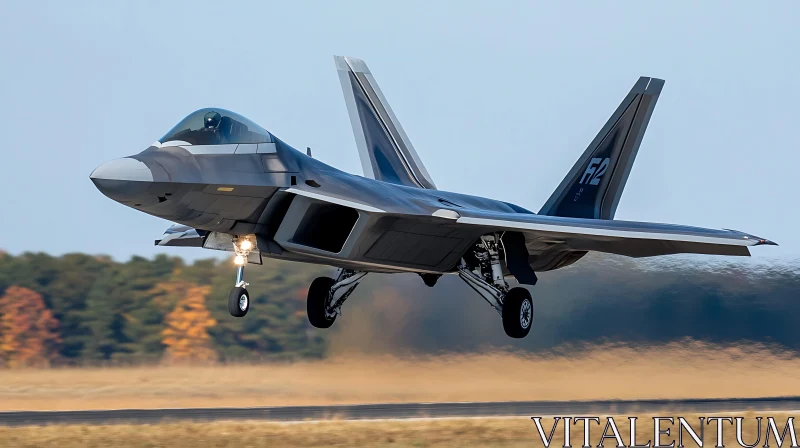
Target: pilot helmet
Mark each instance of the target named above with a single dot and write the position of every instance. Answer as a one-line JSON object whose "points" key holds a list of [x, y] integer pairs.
{"points": [[211, 120]]}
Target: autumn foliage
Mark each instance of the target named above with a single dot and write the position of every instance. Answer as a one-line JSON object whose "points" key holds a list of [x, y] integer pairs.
{"points": [[116, 312], [186, 334], [28, 330]]}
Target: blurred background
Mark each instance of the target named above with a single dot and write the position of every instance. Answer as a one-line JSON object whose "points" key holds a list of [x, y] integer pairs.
{"points": [[100, 311]]}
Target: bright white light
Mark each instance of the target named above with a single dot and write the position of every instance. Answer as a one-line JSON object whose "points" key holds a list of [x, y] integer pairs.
{"points": [[246, 245], [239, 260]]}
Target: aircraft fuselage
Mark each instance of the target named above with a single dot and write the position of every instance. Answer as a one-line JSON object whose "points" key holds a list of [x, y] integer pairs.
{"points": [[252, 193]]}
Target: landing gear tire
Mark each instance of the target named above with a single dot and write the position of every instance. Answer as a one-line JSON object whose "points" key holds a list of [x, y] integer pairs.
{"points": [[238, 302], [517, 313], [317, 302]]}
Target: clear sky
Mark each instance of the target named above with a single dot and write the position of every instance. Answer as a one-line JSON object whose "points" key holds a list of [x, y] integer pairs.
{"points": [[499, 98]]}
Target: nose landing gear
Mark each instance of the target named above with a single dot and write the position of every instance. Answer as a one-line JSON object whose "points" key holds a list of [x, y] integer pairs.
{"points": [[239, 298]]}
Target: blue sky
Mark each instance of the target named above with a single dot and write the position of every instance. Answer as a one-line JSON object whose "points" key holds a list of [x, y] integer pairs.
{"points": [[499, 98]]}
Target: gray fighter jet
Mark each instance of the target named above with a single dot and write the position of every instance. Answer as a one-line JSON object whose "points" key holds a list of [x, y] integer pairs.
{"points": [[231, 185]]}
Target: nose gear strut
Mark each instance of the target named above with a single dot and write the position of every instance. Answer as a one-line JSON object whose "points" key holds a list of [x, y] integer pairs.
{"points": [[239, 297]]}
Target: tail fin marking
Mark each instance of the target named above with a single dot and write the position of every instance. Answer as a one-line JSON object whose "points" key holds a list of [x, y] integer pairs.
{"points": [[593, 187]]}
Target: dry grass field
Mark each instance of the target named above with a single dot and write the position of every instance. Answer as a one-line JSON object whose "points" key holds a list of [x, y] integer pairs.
{"points": [[674, 371], [467, 433]]}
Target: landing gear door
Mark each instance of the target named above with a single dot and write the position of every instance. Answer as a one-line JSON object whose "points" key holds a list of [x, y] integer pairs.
{"points": [[224, 241]]}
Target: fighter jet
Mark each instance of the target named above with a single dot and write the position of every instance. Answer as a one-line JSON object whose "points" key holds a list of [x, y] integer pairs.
{"points": [[231, 185]]}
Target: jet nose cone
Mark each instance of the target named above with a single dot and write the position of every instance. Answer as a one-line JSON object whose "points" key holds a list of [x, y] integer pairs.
{"points": [[123, 180], [123, 169]]}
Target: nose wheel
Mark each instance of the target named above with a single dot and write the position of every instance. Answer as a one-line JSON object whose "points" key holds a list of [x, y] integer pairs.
{"points": [[239, 298], [238, 301]]}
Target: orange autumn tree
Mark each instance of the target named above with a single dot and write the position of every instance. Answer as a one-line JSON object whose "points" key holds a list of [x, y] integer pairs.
{"points": [[186, 333], [28, 331], [165, 295]]}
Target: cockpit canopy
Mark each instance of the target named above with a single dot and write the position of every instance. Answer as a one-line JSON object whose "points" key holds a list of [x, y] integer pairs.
{"points": [[213, 126]]}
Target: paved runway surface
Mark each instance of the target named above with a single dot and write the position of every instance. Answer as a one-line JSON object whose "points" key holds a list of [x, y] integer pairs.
{"points": [[403, 411]]}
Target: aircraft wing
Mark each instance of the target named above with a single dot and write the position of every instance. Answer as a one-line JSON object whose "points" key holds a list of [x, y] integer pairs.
{"points": [[412, 235], [630, 238]]}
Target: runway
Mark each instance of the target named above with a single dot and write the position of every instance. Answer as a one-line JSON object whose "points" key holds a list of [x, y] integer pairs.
{"points": [[402, 411]]}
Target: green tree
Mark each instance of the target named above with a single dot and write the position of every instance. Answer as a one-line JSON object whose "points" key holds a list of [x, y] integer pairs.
{"points": [[276, 325], [143, 317], [103, 321]]}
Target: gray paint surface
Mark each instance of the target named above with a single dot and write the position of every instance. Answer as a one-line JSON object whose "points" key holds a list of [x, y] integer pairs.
{"points": [[400, 225]]}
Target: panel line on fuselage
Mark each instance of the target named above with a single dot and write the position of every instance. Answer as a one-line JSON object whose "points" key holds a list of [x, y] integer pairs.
{"points": [[335, 200]]}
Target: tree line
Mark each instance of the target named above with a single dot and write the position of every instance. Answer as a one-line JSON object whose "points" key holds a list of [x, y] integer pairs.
{"points": [[85, 309], [80, 308]]}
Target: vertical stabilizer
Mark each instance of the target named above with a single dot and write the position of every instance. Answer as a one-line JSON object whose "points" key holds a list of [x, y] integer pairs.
{"points": [[594, 185], [385, 150]]}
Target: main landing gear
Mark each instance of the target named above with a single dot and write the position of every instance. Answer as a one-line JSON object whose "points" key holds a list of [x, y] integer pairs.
{"points": [[326, 296], [239, 298], [481, 270]]}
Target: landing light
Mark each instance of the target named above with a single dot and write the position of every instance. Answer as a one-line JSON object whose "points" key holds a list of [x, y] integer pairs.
{"points": [[246, 245], [239, 260]]}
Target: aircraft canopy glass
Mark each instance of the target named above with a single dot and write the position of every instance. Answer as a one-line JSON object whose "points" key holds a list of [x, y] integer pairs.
{"points": [[213, 126]]}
